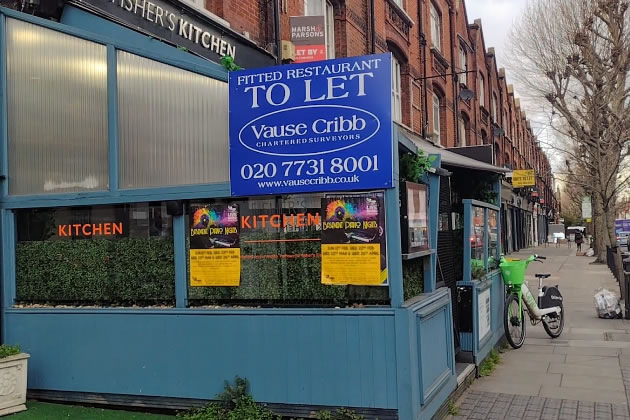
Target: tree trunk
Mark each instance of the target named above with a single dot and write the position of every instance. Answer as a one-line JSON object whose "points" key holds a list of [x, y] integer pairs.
{"points": [[599, 225]]}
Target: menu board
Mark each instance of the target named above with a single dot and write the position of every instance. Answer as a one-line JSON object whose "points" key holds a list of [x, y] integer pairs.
{"points": [[417, 221]]}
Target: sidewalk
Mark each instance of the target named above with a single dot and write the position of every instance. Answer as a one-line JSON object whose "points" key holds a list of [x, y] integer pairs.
{"points": [[583, 374]]}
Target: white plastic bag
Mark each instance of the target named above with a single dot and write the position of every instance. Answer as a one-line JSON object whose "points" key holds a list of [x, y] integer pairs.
{"points": [[607, 304], [590, 252]]}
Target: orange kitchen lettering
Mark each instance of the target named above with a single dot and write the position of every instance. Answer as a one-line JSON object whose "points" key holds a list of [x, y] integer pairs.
{"points": [[90, 229], [263, 221]]}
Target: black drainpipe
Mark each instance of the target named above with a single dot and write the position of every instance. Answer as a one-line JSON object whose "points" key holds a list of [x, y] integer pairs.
{"points": [[423, 52], [276, 30], [451, 12], [372, 30]]}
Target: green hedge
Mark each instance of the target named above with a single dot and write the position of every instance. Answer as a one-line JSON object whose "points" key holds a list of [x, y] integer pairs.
{"points": [[285, 281], [413, 277], [106, 272]]}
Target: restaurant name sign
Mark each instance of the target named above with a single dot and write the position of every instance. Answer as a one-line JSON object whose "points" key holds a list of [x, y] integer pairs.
{"points": [[183, 26]]}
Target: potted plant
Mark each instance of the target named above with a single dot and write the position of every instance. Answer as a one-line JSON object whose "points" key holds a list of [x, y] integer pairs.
{"points": [[13, 368]]}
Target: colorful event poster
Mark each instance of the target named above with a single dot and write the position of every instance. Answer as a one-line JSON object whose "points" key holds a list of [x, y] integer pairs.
{"points": [[215, 253], [354, 248]]}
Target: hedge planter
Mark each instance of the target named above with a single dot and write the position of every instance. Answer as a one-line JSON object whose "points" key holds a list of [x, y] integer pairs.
{"points": [[13, 383]]}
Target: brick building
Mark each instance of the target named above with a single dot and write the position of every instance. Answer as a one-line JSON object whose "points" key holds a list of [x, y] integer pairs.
{"points": [[438, 56]]}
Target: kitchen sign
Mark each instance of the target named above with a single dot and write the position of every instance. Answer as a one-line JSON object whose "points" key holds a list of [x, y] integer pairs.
{"points": [[311, 127], [183, 26]]}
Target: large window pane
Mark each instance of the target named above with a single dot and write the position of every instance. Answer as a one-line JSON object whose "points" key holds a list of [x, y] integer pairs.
{"points": [[173, 125], [102, 255], [280, 240], [493, 233], [477, 229], [57, 111]]}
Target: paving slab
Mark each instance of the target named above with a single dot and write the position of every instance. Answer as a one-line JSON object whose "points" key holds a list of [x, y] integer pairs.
{"points": [[588, 351], [579, 369], [593, 393], [604, 361], [586, 381]]}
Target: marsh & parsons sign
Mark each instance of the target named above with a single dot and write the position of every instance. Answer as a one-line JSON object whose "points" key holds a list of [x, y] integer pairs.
{"points": [[323, 126]]}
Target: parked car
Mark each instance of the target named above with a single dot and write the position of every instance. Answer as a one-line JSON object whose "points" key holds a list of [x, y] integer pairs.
{"points": [[622, 239]]}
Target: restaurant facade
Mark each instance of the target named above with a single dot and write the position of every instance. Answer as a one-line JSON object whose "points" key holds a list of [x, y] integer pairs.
{"points": [[152, 251]]}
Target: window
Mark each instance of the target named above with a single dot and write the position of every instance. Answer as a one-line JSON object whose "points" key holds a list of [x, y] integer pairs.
{"points": [[481, 88], [463, 130], [436, 119], [280, 241], [119, 255], [484, 137], [323, 8], [494, 108], [157, 149], [330, 30], [60, 144], [396, 106], [463, 63], [436, 28]]}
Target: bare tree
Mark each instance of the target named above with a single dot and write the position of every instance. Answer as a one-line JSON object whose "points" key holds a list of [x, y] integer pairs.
{"points": [[575, 55]]}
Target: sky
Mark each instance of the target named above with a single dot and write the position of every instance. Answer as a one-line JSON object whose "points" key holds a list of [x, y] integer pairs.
{"points": [[496, 17]]}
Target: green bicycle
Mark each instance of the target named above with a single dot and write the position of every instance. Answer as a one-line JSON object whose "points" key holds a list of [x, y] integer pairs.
{"points": [[548, 310]]}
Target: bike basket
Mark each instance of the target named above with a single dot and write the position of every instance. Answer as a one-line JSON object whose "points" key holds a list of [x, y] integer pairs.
{"points": [[513, 272]]}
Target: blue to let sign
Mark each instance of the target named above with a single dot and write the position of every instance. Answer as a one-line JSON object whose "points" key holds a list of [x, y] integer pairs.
{"points": [[323, 126]]}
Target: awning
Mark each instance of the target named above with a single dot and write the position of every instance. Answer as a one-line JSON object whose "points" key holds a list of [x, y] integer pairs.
{"points": [[448, 158]]}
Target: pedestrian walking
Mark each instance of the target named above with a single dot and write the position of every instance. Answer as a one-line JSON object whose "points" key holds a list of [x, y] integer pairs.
{"points": [[578, 241]]}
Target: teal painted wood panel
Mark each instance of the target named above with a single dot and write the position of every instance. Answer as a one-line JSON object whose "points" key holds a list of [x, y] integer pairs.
{"points": [[433, 345], [342, 360]]}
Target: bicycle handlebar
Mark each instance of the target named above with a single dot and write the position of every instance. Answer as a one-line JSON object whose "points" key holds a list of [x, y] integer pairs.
{"points": [[540, 257]]}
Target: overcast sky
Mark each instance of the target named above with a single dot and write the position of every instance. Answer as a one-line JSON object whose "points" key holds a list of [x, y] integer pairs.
{"points": [[496, 17]]}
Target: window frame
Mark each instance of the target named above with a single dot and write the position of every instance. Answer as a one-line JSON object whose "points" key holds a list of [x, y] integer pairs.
{"points": [[437, 103], [462, 126], [463, 62], [481, 86], [436, 28], [326, 9], [494, 109], [396, 90]]}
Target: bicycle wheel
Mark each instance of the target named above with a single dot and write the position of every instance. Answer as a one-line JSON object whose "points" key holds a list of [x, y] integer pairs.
{"points": [[556, 323], [513, 324]]}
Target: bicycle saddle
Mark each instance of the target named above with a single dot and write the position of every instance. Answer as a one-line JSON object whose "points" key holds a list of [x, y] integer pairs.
{"points": [[543, 275]]}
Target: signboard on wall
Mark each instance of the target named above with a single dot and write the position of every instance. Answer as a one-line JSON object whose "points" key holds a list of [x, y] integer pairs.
{"points": [[587, 208], [483, 312], [415, 222], [622, 225], [183, 26], [523, 178], [215, 253], [354, 249], [312, 127], [309, 37]]}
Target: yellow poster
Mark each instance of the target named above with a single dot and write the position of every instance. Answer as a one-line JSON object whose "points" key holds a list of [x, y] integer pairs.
{"points": [[358, 264], [523, 178], [215, 267], [353, 240], [215, 253]]}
